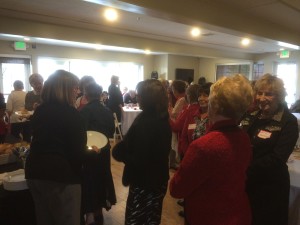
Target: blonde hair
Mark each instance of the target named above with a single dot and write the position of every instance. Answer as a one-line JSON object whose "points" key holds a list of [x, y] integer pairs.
{"points": [[59, 88], [274, 83], [230, 97], [35, 77]]}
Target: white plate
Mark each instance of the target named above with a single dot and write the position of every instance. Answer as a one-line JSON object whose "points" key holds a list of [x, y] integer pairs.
{"points": [[15, 181], [97, 139]]}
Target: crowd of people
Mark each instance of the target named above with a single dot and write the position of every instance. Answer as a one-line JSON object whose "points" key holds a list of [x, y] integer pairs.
{"points": [[228, 143]]}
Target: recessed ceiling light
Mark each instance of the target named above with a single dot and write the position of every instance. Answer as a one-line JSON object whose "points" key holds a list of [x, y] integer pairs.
{"points": [[245, 41], [147, 52], [111, 15], [195, 32]]}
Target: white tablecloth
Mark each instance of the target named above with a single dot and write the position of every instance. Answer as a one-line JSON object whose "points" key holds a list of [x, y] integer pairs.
{"points": [[128, 116]]}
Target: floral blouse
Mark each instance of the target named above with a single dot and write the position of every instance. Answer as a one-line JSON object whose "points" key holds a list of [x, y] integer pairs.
{"points": [[200, 127]]}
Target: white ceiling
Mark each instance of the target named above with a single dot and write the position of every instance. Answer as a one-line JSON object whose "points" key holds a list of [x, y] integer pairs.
{"points": [[151, 23]]}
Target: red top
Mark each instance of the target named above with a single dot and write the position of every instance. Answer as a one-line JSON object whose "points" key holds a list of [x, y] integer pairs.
{"points": [[177, 124], [211, 177], [188, 128]]}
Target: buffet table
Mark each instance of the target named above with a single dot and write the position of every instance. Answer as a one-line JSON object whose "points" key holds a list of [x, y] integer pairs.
{"points": [[16, 207], [128, 116], [16, 203]]}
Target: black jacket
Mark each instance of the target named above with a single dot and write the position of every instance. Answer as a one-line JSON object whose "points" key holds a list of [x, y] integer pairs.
{"points": [[58, 144], [268, 182]]}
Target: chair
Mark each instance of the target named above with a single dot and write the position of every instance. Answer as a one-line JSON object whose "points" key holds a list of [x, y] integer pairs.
{"points": [[117, 128]]}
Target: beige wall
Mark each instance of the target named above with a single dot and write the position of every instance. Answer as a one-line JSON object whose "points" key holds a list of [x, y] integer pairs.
{"points": [[270, 59], [183, 62], [78, 53], [161, 66]]}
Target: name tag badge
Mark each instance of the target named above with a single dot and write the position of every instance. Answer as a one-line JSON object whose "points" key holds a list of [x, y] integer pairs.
{"points": [[192, 126], [264, 134]]}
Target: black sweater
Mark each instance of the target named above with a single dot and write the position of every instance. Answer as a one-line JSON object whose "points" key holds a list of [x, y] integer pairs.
{"points": [[58, 145], [145, 151]]}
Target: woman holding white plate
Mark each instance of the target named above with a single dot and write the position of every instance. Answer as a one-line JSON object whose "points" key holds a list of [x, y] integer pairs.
{"points": [[98, 188]]}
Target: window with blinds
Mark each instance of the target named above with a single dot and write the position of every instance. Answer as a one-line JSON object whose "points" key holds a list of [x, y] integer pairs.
{"points": [[231, 69]]}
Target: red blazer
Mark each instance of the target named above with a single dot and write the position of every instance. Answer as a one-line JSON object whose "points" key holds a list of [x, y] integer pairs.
{"points": [[211, 177]]}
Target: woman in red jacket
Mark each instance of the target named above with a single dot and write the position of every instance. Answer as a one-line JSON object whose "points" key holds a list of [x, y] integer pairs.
{"points": [[211, 177], [196, 120]]}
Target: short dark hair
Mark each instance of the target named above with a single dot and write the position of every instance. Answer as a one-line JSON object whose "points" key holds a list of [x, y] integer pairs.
{"points": [[114, 79], [179, 86], [205, 88], [93, 91], [201, 80], [193, 93], [152, 97], [85, 80]]}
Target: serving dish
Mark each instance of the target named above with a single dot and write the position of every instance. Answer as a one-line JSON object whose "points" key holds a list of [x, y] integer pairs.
{"points": [[15, 181], [24, 113]]}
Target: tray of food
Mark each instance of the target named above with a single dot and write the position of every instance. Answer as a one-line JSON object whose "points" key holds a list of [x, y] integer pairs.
{"points": [[6, 152], [24, 113]]}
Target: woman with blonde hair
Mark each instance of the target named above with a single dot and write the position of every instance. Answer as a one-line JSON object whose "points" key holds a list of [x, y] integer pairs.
{"points": [[211, 176], [273, 131], [33, 98]]}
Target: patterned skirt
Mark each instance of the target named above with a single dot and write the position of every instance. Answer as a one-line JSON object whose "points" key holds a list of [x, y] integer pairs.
{"points": [[144, 206]]}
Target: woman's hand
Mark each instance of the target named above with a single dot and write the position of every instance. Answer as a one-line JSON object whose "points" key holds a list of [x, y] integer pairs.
{"points": [[95, 149]]}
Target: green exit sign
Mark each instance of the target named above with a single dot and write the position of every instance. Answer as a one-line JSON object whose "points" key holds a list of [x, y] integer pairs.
{"points": [[20, 45], [284, 54]]}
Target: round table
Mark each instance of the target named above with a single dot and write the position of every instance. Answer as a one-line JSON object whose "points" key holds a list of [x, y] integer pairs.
{"points": [[128, 116]]}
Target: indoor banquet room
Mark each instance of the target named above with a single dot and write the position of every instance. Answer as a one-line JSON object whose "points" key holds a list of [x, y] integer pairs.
{"points": [[149, 112]]}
